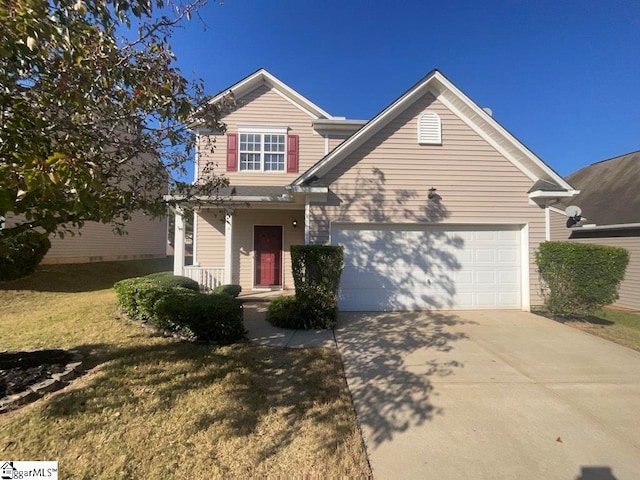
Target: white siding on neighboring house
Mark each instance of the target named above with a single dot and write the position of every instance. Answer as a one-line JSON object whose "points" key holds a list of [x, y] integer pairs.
{"points": [[97, 242]]}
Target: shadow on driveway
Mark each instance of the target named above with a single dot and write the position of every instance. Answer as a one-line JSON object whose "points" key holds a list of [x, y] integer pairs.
{"points": [[376, 347]]}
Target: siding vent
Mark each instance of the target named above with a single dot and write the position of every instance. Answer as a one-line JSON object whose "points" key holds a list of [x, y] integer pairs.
{"points": [[429, 129]]}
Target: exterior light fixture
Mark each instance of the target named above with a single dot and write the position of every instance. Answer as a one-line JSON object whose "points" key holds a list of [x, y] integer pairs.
{"points": [[294, 223], [432, 193]]}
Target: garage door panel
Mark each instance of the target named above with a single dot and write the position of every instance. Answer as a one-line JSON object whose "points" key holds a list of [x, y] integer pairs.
{"points": [[396, 267]]}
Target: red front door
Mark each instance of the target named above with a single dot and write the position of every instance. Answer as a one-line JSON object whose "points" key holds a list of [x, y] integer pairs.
{"points": [[268, 260]]}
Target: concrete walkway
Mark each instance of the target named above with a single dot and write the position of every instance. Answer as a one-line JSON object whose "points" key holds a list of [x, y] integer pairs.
{"points": [[491, 395], [264, 333]]}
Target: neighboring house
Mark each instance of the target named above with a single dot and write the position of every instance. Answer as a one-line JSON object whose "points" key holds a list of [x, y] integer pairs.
{"points": [[610, 203], [97, 242], [436, 204], [145, 238]]}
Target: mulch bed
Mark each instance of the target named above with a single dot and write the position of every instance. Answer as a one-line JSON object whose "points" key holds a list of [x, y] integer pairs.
{"points": [[20, 370]]}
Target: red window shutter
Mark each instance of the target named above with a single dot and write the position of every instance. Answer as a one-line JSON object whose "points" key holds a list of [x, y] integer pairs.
{"points": [[292, 154], [232, 152]]}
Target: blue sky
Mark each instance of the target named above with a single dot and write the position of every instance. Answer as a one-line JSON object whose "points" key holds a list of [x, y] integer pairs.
{"points": [[562, 76]]}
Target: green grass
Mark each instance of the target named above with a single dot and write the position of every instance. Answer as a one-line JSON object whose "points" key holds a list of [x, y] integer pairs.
{"points": [[153, 404], [619, 326]]}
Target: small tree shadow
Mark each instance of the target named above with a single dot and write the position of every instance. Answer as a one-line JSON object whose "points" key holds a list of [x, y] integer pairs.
{"points": [[389, 361]]}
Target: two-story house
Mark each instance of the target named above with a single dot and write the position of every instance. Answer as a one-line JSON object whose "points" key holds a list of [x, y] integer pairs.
{"points": [[436, 204]]}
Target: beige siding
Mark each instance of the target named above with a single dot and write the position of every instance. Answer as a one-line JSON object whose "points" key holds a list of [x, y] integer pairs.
{"points": [[210, 240], [243, 252], [388, 177], [96, 242], [264, 107], [337, 139], [630, 286], [558, 224]]}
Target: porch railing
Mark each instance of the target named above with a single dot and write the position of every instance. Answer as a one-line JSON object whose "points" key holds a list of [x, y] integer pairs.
{"points": [[208, 277]]}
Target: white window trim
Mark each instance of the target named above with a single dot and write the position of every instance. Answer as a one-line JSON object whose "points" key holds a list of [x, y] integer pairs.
{"points": [[436, 117], [262, 130], [277, 130]]}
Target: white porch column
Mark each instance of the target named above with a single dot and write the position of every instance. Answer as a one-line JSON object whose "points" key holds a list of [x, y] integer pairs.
{"points": [[228, 246], [307, 221], [547, 222], [178, 243]]}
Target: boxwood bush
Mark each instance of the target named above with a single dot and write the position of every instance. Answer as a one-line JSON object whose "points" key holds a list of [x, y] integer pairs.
{"points": [[211, 317], [168, 279], [579, 278], [174, 304], [285, 312], [230, 289]]}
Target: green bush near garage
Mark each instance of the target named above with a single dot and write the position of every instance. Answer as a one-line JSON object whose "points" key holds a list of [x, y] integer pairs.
{"points": [[316, 273], [580, 278]]}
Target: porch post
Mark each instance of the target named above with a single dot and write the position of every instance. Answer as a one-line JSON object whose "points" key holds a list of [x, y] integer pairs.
{"points": [[307, 221], [178, 243], [228, 246]]}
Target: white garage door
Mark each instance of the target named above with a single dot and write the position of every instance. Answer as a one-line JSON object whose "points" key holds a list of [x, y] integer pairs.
{"points": [[412, 267]]}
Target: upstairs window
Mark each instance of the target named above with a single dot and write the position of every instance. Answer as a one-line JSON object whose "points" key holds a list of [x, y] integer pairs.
{"points": [[262, 152], [429, 129], [262, 149]]}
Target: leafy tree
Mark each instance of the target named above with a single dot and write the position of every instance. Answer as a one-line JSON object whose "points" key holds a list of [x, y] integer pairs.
{"points": [[93, 113]]}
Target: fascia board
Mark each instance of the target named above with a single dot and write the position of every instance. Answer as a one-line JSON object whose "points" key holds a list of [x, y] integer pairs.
{"points": [[369, 129], [225, 199], [488, 119], [618, 226], [255, 80], [300, 189], [543, 194]]}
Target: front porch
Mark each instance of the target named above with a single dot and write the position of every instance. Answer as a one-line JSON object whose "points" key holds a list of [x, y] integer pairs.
{"points": [[245, 246]]}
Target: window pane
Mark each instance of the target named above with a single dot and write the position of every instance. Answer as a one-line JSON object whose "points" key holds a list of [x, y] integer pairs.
{"points": [[249, 161], [273, 162]]}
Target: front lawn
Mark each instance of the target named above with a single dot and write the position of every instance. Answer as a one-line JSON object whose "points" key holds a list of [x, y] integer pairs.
{"points": [[154, 405], [622, 327]]}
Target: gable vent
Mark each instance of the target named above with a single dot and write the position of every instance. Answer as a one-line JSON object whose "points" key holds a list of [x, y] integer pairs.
{"points": [[429, 129]]}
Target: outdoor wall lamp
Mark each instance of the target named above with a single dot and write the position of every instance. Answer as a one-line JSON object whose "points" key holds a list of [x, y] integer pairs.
{"points": [[432, 193], [294, 223]]}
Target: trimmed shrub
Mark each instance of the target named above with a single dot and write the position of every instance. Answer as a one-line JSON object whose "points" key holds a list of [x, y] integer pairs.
{"points": [[285, 312], [319, 308], [172, 303], [214, 317], [21, 254], [147, 295], [317, 265], [126, 294], [168, 279], [580, 278], [316, 274], [230, 289]]}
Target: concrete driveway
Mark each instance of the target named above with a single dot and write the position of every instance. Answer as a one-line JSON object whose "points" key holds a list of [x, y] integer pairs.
{"points": [[491, 395]]}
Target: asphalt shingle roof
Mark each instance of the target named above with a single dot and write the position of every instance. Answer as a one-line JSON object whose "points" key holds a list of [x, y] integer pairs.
{"points": [[609, 190]]}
